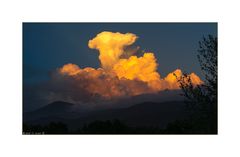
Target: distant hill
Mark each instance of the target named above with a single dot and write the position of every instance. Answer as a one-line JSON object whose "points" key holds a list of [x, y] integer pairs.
{"points": [[56, 111], [55, 107], [142, 114]]}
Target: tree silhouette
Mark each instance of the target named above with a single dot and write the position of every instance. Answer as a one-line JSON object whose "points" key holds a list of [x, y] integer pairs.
{"points": [[202, 99]]}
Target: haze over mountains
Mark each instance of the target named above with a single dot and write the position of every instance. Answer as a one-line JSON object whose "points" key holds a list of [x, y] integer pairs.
{"points": [[140, 111]]}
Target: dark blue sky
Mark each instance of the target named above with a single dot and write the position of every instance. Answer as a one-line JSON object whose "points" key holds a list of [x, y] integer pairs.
{"points": [[47, 46]]}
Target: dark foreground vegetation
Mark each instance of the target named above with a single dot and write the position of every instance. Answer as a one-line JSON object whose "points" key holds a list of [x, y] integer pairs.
{"points": [[118, 127]]}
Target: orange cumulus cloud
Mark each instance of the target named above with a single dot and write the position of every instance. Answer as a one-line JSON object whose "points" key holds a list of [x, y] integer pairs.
{"points": [[141, 68], [70, 69], [121, 77], [111, 46]]}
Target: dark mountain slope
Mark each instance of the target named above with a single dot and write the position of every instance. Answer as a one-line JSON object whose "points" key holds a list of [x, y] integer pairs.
{"points": [[143, 114]]}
